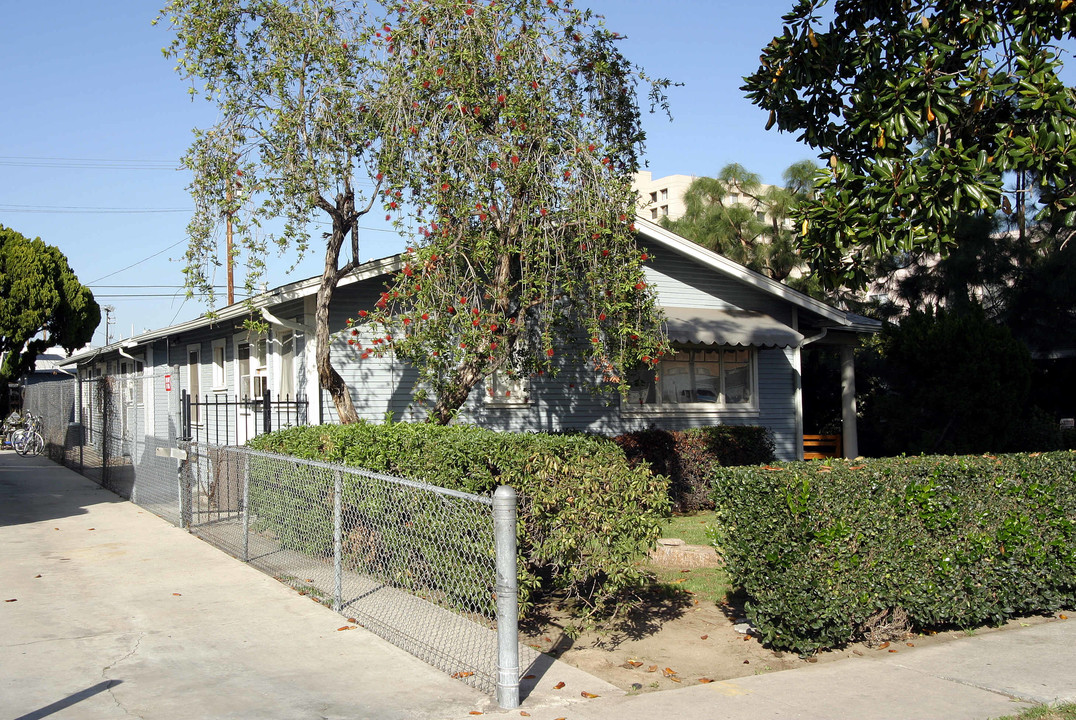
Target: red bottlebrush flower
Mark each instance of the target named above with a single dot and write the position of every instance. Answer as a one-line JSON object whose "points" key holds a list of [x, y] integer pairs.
{"points": [[463, 346], [475, 323], [350, 342], [451, 310], [605, 253], [595, 236], [601, 316], [623, 217], [592, 147], [433, 258], [363, 313], [482, 217], [425, 316], [444, 188], [425, 84], [594, 340], [440, 72], [354, 332], [477, 110], [493, 346], [379, 176], [534, 84], [634, 337], [493, 327], [543, 211], [364, 355], [476, 311], [515, 159], [407, 321], [408, 271], [469, 11], [500, 98], [583, 247], [567, 174], [392, 205], [644, 257], [414, 130], [508, 393], [512, 321], [239, 172], [549, 352], [640, 285], [388, 217], [493, 165], [463, 301], [631, 227], [424, 20], [646, 358]]}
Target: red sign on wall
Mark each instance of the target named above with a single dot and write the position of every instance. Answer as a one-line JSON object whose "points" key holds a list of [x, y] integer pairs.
{"points": [[168, 383]]}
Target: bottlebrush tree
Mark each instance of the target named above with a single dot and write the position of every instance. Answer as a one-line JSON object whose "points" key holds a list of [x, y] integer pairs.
{"points": [[512, 131]]}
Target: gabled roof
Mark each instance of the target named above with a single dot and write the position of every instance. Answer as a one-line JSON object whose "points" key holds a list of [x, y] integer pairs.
{"points": [[672, 241], [649, 231]]}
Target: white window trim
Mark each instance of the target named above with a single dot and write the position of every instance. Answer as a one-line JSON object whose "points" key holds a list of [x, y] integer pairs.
{"points": [[498, 383], [701, 409], [220, 372]]}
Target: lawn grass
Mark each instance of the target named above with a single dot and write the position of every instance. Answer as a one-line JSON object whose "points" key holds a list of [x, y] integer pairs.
{"points": [[1066, 711], [705, 584], [689, 528]]}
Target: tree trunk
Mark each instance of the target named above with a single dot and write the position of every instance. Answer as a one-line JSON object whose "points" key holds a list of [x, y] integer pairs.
{"points": [[449, 403], [328, 377]]}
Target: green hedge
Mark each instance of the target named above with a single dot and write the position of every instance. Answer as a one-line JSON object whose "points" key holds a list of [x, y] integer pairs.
{"points": [[586, 516], [821, 548], [689, 458]]}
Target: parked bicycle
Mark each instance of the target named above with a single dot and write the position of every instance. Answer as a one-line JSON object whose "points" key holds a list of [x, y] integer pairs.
{"points": [[27, 440]]}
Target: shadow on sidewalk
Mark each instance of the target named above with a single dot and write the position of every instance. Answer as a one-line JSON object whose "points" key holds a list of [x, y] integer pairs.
{"points": [[33, 489]]}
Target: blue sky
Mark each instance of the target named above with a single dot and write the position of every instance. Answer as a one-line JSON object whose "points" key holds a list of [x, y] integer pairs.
{"points": [[95, 120]]}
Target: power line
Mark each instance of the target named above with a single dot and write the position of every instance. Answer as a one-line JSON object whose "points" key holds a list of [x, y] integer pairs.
{"points": [[159, 252], [70, 209], [89, 163]]}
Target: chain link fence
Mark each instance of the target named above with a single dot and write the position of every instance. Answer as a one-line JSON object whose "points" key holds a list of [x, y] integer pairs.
{"points": [[419, 565]]}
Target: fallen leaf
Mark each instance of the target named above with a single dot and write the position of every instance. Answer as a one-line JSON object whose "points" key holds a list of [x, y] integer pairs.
{"points": [[12, 600], [705, 681], [746, 638], [93, 528], [346, 627], [652, 668], [704, 637], [635, 663], [353, 620], [668, 672], [883, 646], [558, 686], [1063, 616], [675, 679], [474, 712], [462, 674], [587, 695], [529, 677], [746, 662], [857, 652], [524, 713], [178, 594], [812, 659], [37, 576], [892, 650], [685, 571], [678, 581], [856, 467], [309, 580], [910, 644]]}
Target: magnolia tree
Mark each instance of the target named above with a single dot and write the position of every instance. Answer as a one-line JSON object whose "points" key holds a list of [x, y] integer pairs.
{"points": [[925, 111], [512, 132], [291, 80]]}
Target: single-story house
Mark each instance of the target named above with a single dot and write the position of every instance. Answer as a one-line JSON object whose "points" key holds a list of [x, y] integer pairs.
{"points": [[738, 337]]}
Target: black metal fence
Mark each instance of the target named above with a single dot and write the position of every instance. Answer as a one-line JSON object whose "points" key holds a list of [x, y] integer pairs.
{"points": [[222, 419]]}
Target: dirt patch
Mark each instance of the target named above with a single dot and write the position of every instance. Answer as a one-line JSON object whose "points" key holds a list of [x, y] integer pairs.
{"points": [[670, 640]]}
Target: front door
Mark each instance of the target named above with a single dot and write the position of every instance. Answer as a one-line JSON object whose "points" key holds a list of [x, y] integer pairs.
{"points": [[251, 376]]}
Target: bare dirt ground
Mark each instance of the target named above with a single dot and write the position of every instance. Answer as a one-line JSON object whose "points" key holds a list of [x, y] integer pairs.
{"points": [[669, 642]]}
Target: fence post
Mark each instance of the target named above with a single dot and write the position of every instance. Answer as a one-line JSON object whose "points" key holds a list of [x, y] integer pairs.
{"points": [[185, 511], [338, 541], [185, 415], [504, 533], [246, 507], [82, 432], [267, 411]]}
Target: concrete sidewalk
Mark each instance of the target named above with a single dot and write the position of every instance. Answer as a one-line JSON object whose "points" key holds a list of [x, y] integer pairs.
{"points": [[117, 613]]}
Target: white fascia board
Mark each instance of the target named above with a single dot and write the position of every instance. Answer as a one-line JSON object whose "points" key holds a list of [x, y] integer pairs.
{"points": [[282, 294], [736, 271]]}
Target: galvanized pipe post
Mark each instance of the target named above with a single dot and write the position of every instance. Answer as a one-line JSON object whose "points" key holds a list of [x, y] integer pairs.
{"points": [[246, 507], [507, 588], [338, 532]]}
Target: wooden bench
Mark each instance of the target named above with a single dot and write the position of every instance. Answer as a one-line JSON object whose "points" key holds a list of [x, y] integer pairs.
{"points": [[816, 447]]}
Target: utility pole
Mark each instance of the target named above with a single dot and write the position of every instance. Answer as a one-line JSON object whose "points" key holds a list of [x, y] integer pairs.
{"points": [[231, 283], [109, 322]]}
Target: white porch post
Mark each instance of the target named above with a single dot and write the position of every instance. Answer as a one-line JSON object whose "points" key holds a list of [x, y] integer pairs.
{"points": [[849, 433]]}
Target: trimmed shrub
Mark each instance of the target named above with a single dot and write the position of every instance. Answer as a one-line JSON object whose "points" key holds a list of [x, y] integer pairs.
{"points": [[822, 549], [586, 516], [689, 458]]}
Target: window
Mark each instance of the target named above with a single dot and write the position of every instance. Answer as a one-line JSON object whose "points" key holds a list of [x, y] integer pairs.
{"points": [[504, 388], [664, 210], [697, 379], [653, 213], [194, 381], [219, 381], [665, 194], [287, 365], [653, 197], [250, 359], [760, 215]]}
